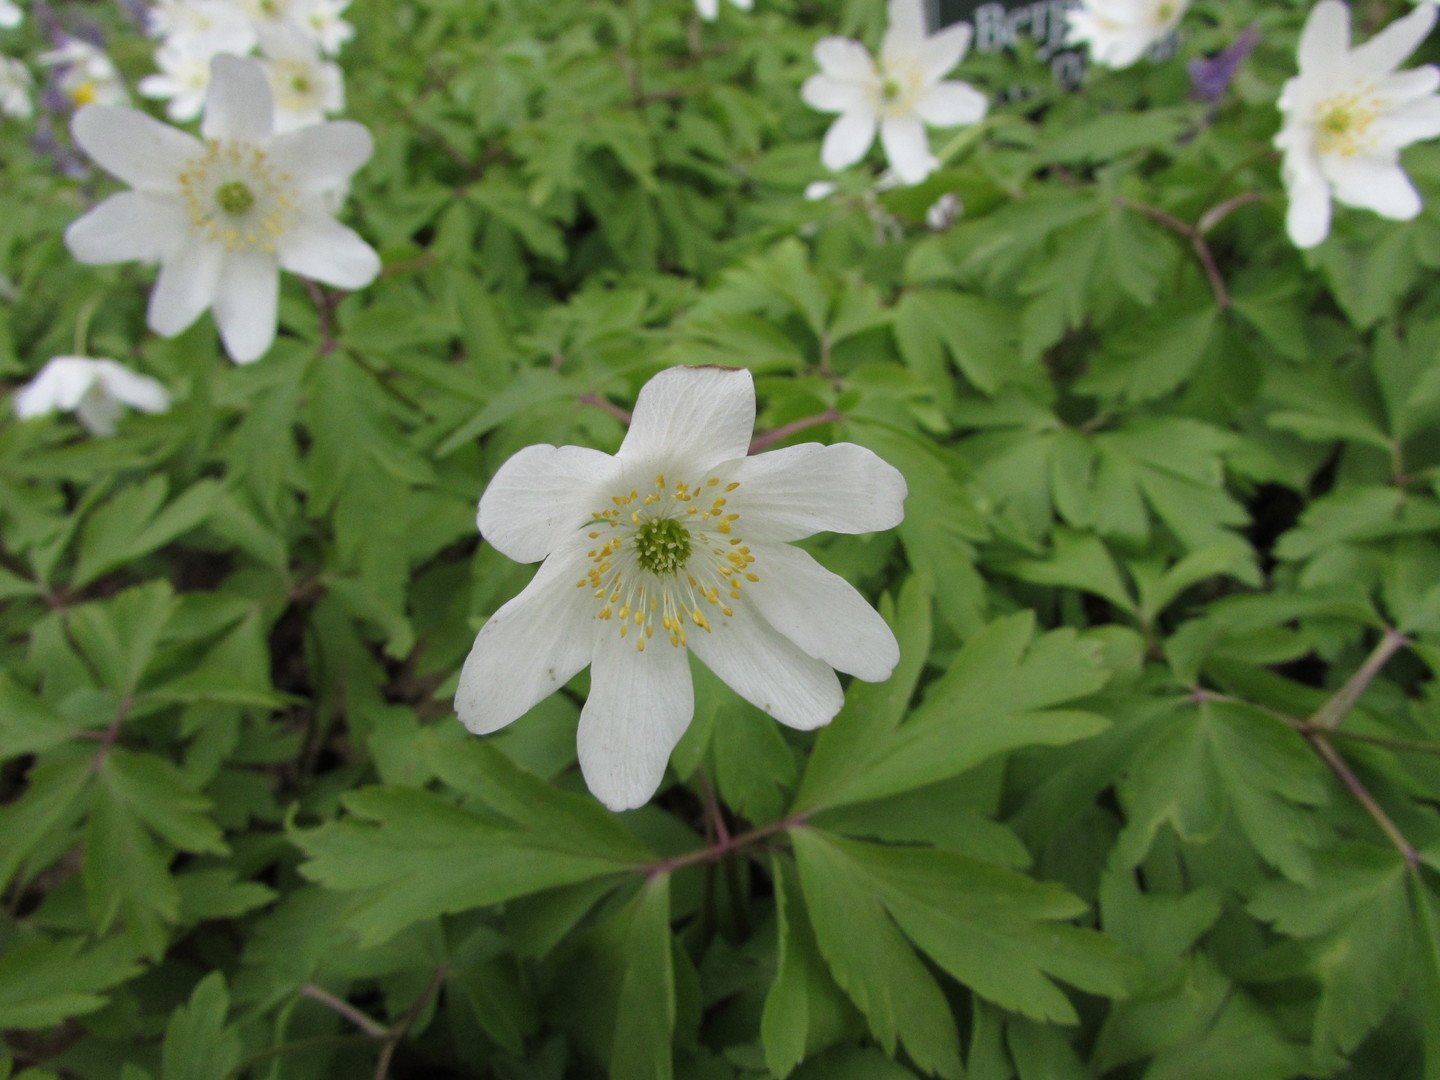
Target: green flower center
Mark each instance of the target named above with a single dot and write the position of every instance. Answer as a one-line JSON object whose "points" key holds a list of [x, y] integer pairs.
{"points": [[234, 197], [662, 546], [300, 84], [890, 90]]}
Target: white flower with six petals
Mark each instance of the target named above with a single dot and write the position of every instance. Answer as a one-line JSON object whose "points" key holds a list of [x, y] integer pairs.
{"points": [[1348, 113], [678, 542], [96, 391], [1117, 32], [224, 216], [899, 95]]}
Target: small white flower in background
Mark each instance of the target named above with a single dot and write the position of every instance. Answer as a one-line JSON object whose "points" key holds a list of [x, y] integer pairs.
{"points": [[1348, 113], [85, 74], [678, 542], [709, 10], [203, 28], [1117, 32], [944, 212], [899, 95], [96, 391], [326, 26], [224, 216], [305, 85], [182, 81], [15, 83], [10, 14]]}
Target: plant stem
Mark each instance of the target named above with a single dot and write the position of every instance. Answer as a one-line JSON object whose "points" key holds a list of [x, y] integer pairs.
{"points": [[1353, 784], [610, 407], [397, 1034], [784, 431], [720, 849], [1329, 715], [370, 1027]]}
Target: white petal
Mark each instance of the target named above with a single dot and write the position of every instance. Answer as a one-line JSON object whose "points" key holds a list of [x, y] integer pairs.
{"points": [[848, 139], [844, 59], [541, 496], [1307, 219], [189, 276], [245, 304], [1325, 40], [1409, 123], [528, 649], [238, 104], [1405, 87], [98, 412], [133, 389], [133, 147], [639, 706], [698, 416], [906, 32], [768, 670], [319, 247], [1388, 49], [60, 385], [939, 54], [907, 148], [949, 103], [1373, 185], [822, 613], [831, 95], [707, 9], [322, 156], [801, 490], [127, 225]]}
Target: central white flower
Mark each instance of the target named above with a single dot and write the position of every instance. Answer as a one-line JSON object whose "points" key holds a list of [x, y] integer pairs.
{"points": [[224, 216], [899, 95], [1348, 112], [677, 543]]}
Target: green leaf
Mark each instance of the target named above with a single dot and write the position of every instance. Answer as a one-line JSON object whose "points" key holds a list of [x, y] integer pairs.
{"points": [[408, 855], [871, 961], [992, 929], [1359, 932], [1212, 759], [645, 1018], [198, 1045], [28, 724], [999, 693], [119, 636], [138, 521], [980, 335], [46, 980], [51, 802]]}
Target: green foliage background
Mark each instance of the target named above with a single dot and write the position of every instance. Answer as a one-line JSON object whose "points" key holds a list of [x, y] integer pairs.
{"points": [[1152, 794]]}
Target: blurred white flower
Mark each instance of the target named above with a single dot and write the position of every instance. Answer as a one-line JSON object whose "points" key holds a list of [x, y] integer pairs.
{"points": [[899, 96], [305, 85], [683, 533], [203, 28], [15, 83], [1348, 113], [10, 14], [183, 79], [85, 74], [96, 391], [709, 10], [327, 28], [224, 216], [1117, 32], [944, 212]]}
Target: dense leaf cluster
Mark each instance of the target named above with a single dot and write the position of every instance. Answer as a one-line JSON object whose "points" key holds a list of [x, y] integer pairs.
{"points": [[1152, 794]]}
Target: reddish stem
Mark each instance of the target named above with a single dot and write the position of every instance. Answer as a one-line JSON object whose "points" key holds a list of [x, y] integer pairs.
{"points": [[721, 848], [784, 431]]}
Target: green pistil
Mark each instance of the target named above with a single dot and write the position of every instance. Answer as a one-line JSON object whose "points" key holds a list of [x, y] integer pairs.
{"points": [[662, 545], [1336, 121], [890, 90], [234, 197]]}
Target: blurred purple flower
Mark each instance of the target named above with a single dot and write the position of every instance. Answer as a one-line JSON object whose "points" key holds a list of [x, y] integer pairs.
{"points": [[1209, 77]]}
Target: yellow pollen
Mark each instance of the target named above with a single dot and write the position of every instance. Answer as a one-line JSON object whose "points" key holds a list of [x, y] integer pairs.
{"points": [[235, 196], [1343, 122]]}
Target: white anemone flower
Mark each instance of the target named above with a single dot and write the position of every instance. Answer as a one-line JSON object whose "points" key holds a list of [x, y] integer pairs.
{"points": [[709, 10], [1348, 113], [203, 27], [96, 391], [10, 14], [85, 74], [15, 83], [325, 25], [305, 85], [1117, 32], [224, 216], [677, 543], [899, 95], [182, 81]]}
